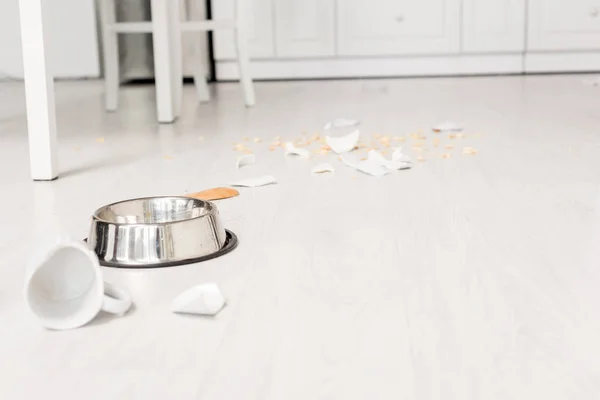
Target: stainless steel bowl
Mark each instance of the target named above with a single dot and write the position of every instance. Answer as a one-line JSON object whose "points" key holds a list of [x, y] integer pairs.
{"points": [[155, 231]]}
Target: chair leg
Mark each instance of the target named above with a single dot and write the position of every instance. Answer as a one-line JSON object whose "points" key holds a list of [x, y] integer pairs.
{"points": [[243, 59], [110, 50], [202, 90]]}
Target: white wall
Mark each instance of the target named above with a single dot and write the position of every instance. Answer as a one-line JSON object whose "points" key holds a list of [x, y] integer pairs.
{"points": [[72, 38]]}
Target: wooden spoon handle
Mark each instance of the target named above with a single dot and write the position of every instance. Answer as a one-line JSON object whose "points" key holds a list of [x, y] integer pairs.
{"points": [[214, 194]]}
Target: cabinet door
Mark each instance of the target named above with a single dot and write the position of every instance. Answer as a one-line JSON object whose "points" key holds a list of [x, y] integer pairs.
{"points": [[493, 25], [564, 25], [305, 28], [259, 28], [404, 27]]}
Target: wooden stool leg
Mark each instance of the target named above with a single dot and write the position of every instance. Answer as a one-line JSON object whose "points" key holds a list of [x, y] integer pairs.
{"points": [[243, 56], [110, 51], [39, 93]]}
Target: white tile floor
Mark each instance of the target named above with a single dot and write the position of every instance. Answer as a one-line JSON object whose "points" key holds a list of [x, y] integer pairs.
{"points": [[474, 277]]}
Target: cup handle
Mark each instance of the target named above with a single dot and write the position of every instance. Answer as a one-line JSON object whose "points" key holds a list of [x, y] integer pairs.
{"points": [[116, 300]]}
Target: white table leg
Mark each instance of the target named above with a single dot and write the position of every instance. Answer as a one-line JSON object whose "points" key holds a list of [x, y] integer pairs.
{"points": [[167, 58], [39, 91]]}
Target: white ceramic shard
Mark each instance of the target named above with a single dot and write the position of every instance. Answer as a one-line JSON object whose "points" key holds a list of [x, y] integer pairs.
{"points": [[321, 168], [343, 144], [368, 167], [291, 150], [247, 159], [340, 123], [398, 155], [448, 126], [378, 158], [204, 299], [255, 182]]}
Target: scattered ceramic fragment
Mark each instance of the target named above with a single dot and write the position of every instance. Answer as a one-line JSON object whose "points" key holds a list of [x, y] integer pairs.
{"points": [[247, 159], [340, 123], [343, 144], [322, 168], [401, 161], [255, 182], [448, 126], [204, 299], [368, 167], [291, 150]]}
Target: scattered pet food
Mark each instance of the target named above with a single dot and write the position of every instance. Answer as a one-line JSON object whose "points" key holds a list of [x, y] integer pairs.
{"points": [[204, 299], [257, 140], [100, 139], [255, 182], [470, 151], [245, 160]]}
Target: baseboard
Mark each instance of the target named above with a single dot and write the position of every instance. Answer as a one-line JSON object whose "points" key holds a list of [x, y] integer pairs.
{"points": [[375, 67], [562, 62], [489, 64]]}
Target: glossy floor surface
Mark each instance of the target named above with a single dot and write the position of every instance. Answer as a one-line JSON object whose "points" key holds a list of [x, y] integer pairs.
{"points": [[468, 277]]}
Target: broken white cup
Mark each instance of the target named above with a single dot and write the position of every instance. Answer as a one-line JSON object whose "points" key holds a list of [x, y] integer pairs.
{"points": [[341, 123], [255, 182], [343, 144], [398, 161], [368, 167], [292, 150], [247, 159], [448, 126], [65, 290], [204, 299], [322, 168]]}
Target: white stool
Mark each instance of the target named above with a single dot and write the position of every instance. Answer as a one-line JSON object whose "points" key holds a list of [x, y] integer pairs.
{"points": [[110, 30]]}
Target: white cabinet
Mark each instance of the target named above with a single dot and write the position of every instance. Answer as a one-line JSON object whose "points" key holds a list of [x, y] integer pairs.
{"points": [[564, 25], [305, 28], [398, 27], [259, 28], [493, 25]]}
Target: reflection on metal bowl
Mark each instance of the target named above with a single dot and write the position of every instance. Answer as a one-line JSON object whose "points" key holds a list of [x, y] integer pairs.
{"points": [[156, 231]]}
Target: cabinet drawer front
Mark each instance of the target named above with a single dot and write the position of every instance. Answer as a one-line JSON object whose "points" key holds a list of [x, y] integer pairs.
{"points": [[259, 29], [383, 27], [564, 25], [493, 26], [305, 28]]}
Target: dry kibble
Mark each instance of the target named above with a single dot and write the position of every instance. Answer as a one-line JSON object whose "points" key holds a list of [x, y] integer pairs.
{"points": [[470, 151], [246, 138], [257, 140], [247, 151], [271, 148], [446, 155], [363, 158], [100, 140], [449, 146]]}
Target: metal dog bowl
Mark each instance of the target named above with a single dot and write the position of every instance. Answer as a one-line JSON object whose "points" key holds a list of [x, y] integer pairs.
{"points": [[158, 232]]}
